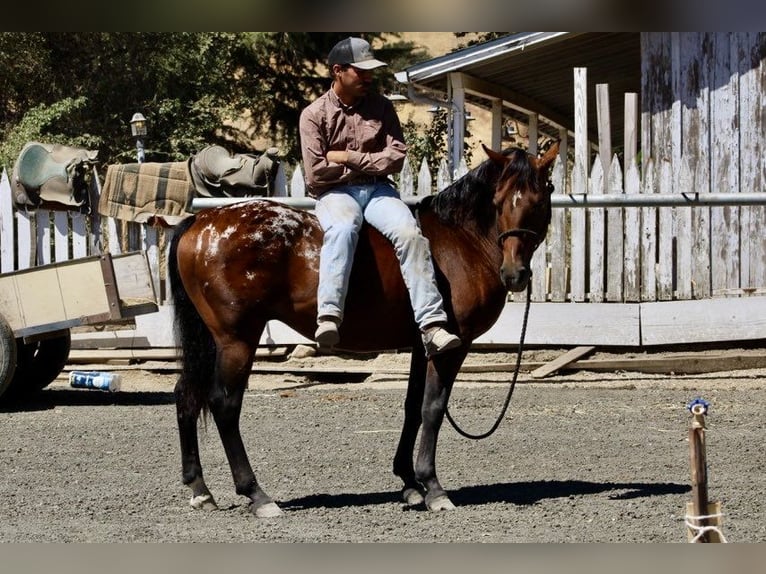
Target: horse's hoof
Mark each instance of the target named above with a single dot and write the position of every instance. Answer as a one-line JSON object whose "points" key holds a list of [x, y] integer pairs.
{"points": [[440, 503], [412, 496], [268, 510], [203, 502]]}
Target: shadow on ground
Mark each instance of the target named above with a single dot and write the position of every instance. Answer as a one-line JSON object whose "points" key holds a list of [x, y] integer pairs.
{"points": [[519, 493]]}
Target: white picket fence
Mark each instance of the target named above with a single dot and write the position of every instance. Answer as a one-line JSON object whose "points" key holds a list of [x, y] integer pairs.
{"points": [[610, 275], [618, 283]]}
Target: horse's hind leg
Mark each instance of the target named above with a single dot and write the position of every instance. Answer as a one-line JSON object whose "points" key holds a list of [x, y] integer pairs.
{"points": [[233, 364], [187, 412], [412, 492]]}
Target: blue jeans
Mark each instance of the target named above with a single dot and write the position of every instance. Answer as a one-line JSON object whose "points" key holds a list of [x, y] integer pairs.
{"points": [[341, 212]]}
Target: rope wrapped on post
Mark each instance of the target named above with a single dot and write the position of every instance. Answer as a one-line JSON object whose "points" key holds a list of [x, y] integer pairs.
{"points": [[703, 519]]}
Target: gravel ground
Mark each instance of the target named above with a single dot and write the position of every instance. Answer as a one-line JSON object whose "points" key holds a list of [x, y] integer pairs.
{"points": [[581, 457]]}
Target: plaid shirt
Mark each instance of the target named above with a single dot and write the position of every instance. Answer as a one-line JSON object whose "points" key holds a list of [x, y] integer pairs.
{"points": [[369, 131]]}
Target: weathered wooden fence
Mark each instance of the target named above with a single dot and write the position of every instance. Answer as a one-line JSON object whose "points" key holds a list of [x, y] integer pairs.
{"points": [[632, 251]]}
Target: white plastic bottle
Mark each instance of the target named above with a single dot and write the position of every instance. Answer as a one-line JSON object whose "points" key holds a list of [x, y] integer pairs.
{"points": [[95, 380]]}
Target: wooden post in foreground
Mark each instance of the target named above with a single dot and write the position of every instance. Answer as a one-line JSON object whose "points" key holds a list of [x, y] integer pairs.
{"points": [[702, 517]]}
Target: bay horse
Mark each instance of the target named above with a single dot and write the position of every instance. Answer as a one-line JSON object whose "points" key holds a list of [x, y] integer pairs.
{"points": [[234, 268]]}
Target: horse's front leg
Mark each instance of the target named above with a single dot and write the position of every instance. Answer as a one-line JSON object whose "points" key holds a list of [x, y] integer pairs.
{"points": [[440, 376], [233, 364], [412, 492]]}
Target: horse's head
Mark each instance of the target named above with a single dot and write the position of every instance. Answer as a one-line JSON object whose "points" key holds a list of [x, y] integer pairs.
{"points": [[523, 202]]}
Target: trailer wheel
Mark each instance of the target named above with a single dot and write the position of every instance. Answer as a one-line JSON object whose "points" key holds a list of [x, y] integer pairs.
{"points": [[39, 363], [7, 355]]}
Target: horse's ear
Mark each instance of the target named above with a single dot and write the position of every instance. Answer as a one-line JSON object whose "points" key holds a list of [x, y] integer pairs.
{"points": [[494, 156], [546, 161]]}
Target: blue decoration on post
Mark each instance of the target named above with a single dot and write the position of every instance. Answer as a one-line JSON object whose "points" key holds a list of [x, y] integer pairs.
{"points": [[698, 406]]}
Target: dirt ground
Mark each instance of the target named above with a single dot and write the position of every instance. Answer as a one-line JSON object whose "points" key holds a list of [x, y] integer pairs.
{"points": [[580, 457]]}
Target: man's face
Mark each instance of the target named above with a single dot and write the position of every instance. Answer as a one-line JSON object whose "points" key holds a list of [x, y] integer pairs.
{"points": [[354, 82]]}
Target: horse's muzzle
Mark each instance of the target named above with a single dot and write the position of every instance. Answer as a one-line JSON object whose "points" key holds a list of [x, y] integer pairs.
{"points": [[515, 279]]}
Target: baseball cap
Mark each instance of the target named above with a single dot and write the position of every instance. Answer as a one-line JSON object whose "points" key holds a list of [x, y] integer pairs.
{"points": [[356, 52]]}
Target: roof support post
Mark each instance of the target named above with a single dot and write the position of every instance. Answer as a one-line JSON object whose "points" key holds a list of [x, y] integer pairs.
{"points": [[457, 133], [496, 135]]}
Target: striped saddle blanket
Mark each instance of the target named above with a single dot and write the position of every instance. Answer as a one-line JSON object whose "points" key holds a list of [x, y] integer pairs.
{"points": [[144, 192]]}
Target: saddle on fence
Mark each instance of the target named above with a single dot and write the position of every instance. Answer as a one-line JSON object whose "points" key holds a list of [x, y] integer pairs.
{"points": [[52, 176], [217, 173]]}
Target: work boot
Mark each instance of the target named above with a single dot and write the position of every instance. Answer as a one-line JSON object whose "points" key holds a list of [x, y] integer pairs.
{"points": [[327, 335], [437, 340]]}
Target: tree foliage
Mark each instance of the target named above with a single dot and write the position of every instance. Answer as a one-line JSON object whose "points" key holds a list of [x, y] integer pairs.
{"points": [[427, 142], [194, 88]]}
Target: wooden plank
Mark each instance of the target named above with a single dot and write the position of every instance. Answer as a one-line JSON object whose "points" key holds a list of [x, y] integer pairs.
{"points": [[680, 180], [557, 232], [752, 151], [532, 133], [615, 242], [683, 232], [96, 236], [632, 215], [577, 268], [61, 236], [24, 239], [562, 361], [596, 245], [539, 266], [710, 320], [79, 235], [42, 249], [671, 365], [657, 99], [150, 238], [696, 57], [157, 329], [133, 278], [52, 294], [109, 339], [632, 247], [724, 167], [89, 355], [700, 232], [648, 237], [604, 130], [561, 323], [599, 324], [7, 232], [648, 41], [539, 262], [665, 235], [549, 324]]}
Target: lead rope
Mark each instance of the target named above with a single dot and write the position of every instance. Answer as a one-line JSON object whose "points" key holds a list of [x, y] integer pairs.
{"points": [[513, 382]]}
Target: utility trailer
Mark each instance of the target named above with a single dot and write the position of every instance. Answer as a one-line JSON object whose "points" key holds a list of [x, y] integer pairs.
{"points": [[39, 306]]}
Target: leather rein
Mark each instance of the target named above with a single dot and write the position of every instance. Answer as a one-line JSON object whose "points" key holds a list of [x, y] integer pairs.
{"points": [[519, 232]]}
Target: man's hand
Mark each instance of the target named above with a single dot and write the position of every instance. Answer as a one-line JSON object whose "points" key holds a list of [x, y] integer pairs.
{"points": [[337, 156]]}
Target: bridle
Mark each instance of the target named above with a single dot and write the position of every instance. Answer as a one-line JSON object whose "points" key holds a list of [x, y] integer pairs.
{"points": [[518, 232]]}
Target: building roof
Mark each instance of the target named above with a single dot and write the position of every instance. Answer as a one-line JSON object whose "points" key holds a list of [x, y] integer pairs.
{"points": [[534, 72]]}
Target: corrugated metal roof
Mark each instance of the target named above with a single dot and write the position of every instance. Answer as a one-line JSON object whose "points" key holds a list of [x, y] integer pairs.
{"points": [[534, 71]]}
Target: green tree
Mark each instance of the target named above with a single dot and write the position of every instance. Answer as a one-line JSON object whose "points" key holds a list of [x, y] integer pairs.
{"points": [[427, 142], [194, 88]]}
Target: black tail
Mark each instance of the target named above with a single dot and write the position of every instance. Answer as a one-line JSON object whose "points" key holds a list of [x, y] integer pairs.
{"points": [[192, 336]]}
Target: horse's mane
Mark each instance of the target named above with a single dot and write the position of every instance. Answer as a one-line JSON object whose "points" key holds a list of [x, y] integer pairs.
{"points": [[468, 200]]}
